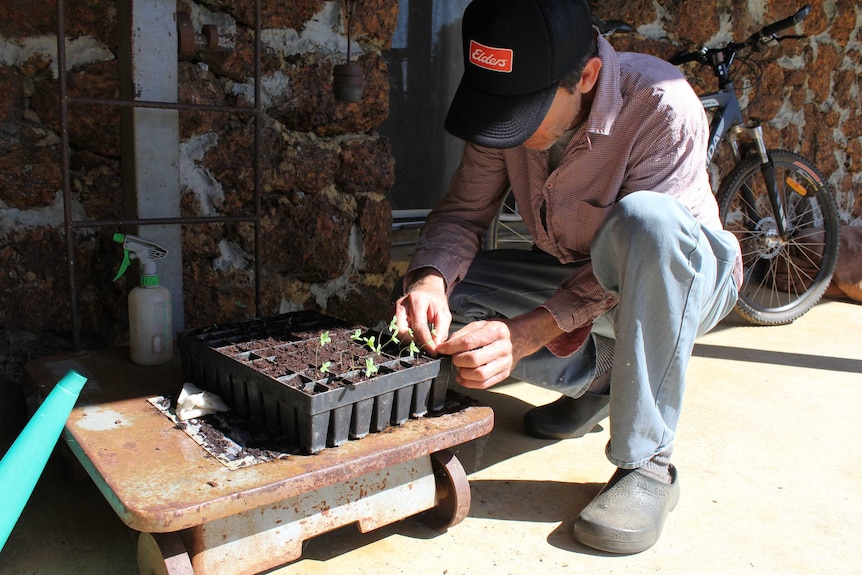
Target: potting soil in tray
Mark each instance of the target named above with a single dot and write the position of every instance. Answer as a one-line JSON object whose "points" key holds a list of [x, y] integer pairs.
{"points": [[315, 391]]}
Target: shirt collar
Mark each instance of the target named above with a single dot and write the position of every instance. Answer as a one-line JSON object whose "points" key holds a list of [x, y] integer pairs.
{"points": [[608, 101]]}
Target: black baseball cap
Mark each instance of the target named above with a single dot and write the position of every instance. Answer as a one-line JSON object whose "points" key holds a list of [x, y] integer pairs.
{"points": [[515, 54]]}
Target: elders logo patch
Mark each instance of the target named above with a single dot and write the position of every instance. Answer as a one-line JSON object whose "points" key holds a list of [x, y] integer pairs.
{"points": [[494, 59]]}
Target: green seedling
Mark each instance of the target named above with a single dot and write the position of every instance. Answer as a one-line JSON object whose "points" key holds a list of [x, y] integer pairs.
{"points": [[324, 339], [414, 349], [370, 367], [373, 343], [393, 332], [369, 341]]}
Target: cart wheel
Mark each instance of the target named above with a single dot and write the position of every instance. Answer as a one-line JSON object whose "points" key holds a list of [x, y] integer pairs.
{"points": [[453, 492], [163, 554]]}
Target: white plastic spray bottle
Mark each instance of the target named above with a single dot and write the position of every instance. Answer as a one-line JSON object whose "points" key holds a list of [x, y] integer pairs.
{"points": [[151, 329]]}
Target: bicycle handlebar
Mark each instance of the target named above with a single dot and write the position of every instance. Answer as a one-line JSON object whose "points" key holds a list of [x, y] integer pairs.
{"points": [[777, 27], [763, 35], [686, 57]]}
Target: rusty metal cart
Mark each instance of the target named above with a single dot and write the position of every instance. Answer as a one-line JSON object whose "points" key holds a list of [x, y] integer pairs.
{"points": [[195, 515]]}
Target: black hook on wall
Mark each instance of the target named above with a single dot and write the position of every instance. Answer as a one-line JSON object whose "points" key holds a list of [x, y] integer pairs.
{"points": [[347, 81]]}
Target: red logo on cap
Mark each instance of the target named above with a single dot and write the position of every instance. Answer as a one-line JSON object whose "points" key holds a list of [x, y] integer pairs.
{"points": [[494, 59]]}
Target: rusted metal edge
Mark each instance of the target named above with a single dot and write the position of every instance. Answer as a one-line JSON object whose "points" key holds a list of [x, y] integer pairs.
{"points": [[412, 440]]}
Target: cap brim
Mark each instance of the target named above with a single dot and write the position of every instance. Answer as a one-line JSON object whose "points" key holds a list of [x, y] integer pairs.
{"points": [[497, 121]]}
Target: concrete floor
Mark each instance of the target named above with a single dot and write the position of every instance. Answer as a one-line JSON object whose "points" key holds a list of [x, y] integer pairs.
{"points": [[768, 451]]}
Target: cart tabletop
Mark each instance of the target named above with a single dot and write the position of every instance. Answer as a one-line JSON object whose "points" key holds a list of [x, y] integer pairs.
{"points": [[158, 479]]}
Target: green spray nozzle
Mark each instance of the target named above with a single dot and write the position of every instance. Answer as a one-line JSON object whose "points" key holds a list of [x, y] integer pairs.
{"points": [[145, 251]]}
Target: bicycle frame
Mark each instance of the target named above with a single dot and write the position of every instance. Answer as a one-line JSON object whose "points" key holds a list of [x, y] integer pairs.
{"points": [[726, 118], [727, 122]]}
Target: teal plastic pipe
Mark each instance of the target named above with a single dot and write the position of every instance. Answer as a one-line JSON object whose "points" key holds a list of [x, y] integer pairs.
{"points": [[23, 464]]}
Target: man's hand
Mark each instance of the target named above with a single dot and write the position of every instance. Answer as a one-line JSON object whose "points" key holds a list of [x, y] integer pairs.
{"points": [[486, 351], [424, 305]]}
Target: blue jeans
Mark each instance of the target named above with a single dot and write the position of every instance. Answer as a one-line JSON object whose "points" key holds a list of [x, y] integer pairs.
{"points": [[673, 280]]}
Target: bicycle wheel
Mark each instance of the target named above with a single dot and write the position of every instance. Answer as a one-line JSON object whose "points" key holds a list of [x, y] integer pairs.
{"points": [[508, 229], [783, 277]]}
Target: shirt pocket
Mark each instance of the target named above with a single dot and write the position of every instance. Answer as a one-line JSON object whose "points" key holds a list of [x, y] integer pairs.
{"points": [[580, 228]]}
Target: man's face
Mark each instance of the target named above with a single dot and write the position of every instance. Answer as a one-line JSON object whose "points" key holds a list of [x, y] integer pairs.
{"points": [[568, 109], [563, 114]]}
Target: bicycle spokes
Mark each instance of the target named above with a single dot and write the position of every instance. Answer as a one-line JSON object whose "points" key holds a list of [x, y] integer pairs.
{"points": [[783, 273]]}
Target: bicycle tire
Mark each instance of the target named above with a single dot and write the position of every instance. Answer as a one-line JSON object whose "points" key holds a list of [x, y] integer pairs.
{"points": [[783, 279], [507, 229]]}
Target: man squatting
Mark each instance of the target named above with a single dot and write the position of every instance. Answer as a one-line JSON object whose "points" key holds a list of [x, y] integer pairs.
{"points": [[605, 155]]}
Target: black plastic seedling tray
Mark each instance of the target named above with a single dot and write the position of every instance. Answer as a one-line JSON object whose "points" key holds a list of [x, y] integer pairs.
{"points": [[313, 409]]}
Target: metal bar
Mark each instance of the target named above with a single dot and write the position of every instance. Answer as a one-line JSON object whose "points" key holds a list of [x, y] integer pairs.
{"points": [[258, 129], [161, 221], [410, 214], [68, 224], [122, 103]]}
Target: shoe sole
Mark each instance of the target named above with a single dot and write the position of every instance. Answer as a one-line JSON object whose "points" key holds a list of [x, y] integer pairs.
{"points": [[588, 536], [580, 431]]}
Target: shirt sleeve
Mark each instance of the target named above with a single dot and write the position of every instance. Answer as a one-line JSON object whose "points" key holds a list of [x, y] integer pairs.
{"points": [[578, 302], [453, 232]]}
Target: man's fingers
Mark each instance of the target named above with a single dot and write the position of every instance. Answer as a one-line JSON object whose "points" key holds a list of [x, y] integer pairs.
{"points": [[474, 335], [401, 322], [484, 376], [481, 352], [416, 312]]}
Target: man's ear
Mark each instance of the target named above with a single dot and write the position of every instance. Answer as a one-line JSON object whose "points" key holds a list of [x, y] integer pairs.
{"points": [[590, 75]]}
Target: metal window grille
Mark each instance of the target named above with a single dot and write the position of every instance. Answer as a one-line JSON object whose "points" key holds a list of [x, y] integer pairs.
{"points": [[71, 225]]}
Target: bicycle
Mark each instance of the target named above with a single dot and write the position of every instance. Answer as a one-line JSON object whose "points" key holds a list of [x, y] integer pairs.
{"points": [[774, 200]]}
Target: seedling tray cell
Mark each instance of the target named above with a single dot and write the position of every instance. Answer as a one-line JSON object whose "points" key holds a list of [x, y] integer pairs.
{"points": [[245, 363]]}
